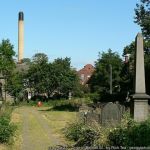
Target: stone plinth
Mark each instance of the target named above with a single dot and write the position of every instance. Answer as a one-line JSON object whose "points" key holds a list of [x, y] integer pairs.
{"points": [[140, 109]]}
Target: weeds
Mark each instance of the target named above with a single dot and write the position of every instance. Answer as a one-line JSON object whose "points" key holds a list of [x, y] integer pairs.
{"points": [[7, 129], [128, 133]]}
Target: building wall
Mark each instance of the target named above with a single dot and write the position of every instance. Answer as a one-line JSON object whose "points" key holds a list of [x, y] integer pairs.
{"points": [[85, 73]]}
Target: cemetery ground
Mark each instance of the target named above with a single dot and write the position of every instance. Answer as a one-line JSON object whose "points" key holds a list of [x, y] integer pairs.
{"points": [[38, 128], [60, 122]]}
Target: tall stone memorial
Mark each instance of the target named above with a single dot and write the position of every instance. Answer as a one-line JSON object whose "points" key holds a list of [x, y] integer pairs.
{"points": [[140, 98]]}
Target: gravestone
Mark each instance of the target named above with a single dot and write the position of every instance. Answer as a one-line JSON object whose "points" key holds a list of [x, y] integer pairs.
{"points": [[111, 114], [121, 108], [92, 117], [139, 108], [84, 110]]}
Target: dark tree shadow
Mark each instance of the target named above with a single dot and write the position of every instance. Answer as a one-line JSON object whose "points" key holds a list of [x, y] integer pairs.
{"points": [[64, 107]]}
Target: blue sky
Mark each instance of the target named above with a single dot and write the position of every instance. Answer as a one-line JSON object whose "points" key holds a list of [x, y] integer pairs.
{"points": [[74, 28]]}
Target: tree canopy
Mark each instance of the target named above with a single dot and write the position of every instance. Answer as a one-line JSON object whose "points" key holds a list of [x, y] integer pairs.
{"points": [[6, 57], [142, 17], [101, 78], [52, 77], [15, 84]]}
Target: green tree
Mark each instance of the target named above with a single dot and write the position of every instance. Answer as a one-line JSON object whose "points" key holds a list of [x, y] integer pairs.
{"points": [[100, 80], [7, 63], [40, 58], [56, 77], [15, 84], [6, 57], [142, 17], [65, 77], [127, 72], [37, 73], [26, 60]]}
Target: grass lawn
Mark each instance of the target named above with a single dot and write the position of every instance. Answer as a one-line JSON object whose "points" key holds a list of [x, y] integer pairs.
{"points": [[58, 120]]}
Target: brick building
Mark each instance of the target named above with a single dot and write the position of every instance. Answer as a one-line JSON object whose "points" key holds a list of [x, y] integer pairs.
{"points": [[85, 73]]}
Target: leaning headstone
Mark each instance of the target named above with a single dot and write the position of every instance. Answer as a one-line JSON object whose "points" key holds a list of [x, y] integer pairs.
{"points": [[111, 114], [140, 98]]}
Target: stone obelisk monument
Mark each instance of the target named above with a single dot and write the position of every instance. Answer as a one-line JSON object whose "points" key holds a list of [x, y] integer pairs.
{"points": [[140, 98], [20, 36]]}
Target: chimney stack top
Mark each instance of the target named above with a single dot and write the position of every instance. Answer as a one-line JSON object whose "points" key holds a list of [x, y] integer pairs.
{"points": [[21, 16]]}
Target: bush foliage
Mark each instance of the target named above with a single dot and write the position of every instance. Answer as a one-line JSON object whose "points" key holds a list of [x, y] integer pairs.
{"points": [[7, 129], [82, 134], [128, 134], [135, 134], [66, 105]]}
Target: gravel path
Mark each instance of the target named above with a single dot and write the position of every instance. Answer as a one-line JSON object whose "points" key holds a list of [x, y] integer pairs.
{"points": [[36, 133]]}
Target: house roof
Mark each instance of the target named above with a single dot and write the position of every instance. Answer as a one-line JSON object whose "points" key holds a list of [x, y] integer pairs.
{"points": [[88, 69], [87, 72]]}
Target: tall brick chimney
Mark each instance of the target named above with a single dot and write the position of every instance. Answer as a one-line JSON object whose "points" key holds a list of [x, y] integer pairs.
{"points": [[20, 36]]}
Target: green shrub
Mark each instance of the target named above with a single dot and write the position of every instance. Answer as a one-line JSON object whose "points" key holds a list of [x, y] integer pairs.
{"points": [[87, 137], [140, 134], [73, 131], [83, 135], [66, 105], [119, 137], [131, 134], [128, 134], [7, 129]]}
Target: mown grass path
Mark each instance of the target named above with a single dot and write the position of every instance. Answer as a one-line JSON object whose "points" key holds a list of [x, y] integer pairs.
{"points": [[38, 128]]}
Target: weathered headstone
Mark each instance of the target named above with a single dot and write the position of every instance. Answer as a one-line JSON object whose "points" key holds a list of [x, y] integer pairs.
{"points": [[92, 117], [111, 114], [85, 108], [83, 111], [140, 98]]}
